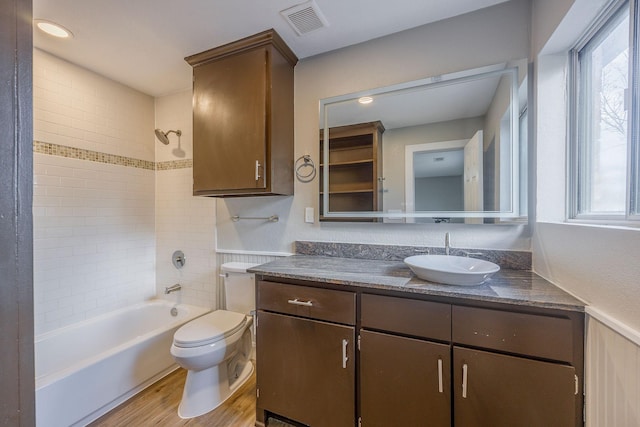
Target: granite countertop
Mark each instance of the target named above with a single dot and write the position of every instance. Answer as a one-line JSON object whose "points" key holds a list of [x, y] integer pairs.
{"points": [[518, 287]]}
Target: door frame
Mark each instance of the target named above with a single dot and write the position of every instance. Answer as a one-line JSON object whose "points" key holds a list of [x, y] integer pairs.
{"points": [[16, 220]]}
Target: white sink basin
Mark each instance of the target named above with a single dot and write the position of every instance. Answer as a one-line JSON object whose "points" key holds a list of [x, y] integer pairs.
{"points": [[451, 270]]}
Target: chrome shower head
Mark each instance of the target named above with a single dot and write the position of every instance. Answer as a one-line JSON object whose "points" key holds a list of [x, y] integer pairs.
{"points": [[164, 136]]}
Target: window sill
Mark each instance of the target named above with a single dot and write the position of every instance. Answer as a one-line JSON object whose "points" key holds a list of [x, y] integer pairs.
{"points": [[620, 224]]}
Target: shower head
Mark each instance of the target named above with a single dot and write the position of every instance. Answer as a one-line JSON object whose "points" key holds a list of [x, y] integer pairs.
{"points": [[164, 136]]}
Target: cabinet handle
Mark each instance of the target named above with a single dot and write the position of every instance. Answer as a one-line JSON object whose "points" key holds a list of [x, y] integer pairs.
{"points": [[257, 170], [464, 381], [298, 302], [345, 358], [440, 386]]}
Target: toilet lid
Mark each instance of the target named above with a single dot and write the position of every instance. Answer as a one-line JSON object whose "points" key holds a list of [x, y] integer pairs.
{"points": [[209, 328]]}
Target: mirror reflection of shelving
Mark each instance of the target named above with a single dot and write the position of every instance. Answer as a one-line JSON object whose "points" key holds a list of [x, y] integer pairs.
{"points": [[355, 166]]}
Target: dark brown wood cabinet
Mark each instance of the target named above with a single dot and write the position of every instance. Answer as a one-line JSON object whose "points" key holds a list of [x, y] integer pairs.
{"points": [[243, 118], [305, 360], [404, 381], [492, 389], [418, 361], [355, 168]]}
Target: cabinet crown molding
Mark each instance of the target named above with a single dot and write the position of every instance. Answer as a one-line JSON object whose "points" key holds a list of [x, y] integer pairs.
{"points": [[264, 38]]}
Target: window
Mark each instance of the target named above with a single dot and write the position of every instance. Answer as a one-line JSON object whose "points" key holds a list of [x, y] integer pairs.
{"points": [[603, 149]]}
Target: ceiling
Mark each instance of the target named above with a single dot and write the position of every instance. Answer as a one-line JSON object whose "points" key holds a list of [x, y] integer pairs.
{"points": [[142, 43]]}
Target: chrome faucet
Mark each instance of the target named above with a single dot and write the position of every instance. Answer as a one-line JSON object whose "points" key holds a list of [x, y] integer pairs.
{"points": [[173, 288], [447, 243]]}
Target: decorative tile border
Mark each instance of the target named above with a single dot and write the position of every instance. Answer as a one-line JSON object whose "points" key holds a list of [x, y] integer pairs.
{"points": [[174, 164], [112, 159]]}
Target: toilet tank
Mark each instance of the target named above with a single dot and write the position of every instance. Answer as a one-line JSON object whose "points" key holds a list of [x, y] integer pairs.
{"points": [[239, 287]]}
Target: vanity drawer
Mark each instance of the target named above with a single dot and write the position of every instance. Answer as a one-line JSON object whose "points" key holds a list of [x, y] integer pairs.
{"points": [[417, 318], [528, 334], [305, 301]]}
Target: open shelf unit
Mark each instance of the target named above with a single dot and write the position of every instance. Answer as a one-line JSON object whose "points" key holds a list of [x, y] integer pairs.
{"points": [[355, 166]]}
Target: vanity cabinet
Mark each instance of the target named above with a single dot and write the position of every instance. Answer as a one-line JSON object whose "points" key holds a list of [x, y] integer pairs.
{"points": [[306, 354], [243, 118], [492, 389], [405, 362], [355, 168], [514, 368], [433, 361]]}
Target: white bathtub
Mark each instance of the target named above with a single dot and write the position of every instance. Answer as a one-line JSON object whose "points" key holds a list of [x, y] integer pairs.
{"points": [[86, 369]]}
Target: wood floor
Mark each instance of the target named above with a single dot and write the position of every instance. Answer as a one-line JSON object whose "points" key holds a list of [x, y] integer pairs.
{"points": [[158, 406]]}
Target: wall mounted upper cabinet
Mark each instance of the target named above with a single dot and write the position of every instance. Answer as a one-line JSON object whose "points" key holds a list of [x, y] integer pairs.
{"points": [[243, 118]]}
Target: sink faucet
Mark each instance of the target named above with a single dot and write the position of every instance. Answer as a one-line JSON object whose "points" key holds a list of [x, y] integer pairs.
{"points": [[447, 243], [173, 288]]}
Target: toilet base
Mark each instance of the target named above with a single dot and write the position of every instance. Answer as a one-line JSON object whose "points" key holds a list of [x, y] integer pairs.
{"points": [[205, 390]]}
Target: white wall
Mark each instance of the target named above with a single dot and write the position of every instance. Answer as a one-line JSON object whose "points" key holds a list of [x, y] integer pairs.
{"points": [[596, 263], [94, 242], [485, 37]]}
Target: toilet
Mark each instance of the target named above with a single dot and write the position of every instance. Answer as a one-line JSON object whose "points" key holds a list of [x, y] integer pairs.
{"points": [[216, 348]]}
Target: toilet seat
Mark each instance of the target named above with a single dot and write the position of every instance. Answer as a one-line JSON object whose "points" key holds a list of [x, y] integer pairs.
{"points": [[209, 328]]}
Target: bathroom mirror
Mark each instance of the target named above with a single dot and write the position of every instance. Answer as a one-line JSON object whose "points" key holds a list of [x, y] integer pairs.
{"points": [[449, 148]]}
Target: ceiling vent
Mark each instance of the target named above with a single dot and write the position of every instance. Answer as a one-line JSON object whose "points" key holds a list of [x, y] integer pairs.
{"points": [[305, 17]]}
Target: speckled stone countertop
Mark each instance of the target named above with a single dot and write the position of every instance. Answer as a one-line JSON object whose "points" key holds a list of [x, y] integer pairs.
{"points": [[518, 287]]}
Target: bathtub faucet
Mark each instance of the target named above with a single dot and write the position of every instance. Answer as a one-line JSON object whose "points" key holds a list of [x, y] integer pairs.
{"points": [[173, 288]]}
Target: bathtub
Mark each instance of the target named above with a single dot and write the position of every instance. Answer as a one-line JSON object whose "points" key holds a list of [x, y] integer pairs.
{"points": [[86, 369]]}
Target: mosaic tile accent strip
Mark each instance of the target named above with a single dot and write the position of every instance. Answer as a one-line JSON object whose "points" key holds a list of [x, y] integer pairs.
{"points": [[514, 260], [112, 159], [174, 164]]}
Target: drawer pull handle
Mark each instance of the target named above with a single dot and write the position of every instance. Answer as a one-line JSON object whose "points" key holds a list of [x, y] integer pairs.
{"points": [[298, 302], [464, 381], [345, 358], [257, 170], [440, 386]]}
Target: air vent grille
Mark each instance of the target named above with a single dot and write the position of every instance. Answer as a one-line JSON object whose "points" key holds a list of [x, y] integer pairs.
{"points": [[305, 18]]}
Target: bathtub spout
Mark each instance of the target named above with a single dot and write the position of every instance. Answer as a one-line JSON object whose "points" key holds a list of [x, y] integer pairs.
{"points": [[173, 288]]}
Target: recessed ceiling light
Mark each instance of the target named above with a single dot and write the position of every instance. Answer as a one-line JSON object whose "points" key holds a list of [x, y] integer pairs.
{"points": [[53, 29], [365, 100]]}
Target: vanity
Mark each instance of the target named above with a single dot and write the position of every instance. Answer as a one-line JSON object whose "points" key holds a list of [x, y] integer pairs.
{"points": [[361, 342]]}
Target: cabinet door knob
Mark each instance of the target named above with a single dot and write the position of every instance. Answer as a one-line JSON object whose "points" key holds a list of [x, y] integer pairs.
{"points": [[440, 385], [464, 381], [298, 302], [345, 358]]}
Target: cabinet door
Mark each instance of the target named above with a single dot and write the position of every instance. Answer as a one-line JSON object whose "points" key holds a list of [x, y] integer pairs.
{"points": [[404, 381], [306, 370], [498, 390], [229, 123]]}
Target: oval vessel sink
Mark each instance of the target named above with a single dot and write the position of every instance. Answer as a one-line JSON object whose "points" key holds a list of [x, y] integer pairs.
{"points": [[451, 270]]}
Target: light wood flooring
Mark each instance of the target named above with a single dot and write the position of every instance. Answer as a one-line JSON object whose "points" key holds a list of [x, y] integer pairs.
{"points": [[158, 406]]}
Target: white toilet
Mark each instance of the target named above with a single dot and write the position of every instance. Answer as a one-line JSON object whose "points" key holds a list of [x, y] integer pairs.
{"points": [[216, 348]]}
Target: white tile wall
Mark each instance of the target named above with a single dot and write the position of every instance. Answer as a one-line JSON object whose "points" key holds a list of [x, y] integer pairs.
{"points": [[94, 225], [94, 242], [186, 223], [78, 108]]}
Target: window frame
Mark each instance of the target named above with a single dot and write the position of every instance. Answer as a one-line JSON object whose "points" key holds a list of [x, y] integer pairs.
{"points": [[632, 212]]}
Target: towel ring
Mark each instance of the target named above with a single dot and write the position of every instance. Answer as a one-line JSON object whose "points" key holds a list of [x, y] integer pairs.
{"points": [[305, 162]]}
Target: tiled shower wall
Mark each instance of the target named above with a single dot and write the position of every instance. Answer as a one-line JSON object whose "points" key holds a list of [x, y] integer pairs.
{"points": [[183, 221], [94, 226]]}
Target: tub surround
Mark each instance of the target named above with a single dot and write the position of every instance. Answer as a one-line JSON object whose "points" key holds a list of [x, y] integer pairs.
{"points": [[513, 260]]}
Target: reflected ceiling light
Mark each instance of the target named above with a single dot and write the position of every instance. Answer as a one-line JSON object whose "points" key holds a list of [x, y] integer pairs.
{"points": [[53, 29], [365, 100]]}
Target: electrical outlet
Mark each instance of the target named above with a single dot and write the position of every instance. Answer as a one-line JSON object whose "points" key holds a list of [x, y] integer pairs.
{"points": [[308, 215]]}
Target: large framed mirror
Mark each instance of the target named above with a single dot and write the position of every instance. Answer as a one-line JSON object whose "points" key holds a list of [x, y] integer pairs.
{"points": [[449, 148]]}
